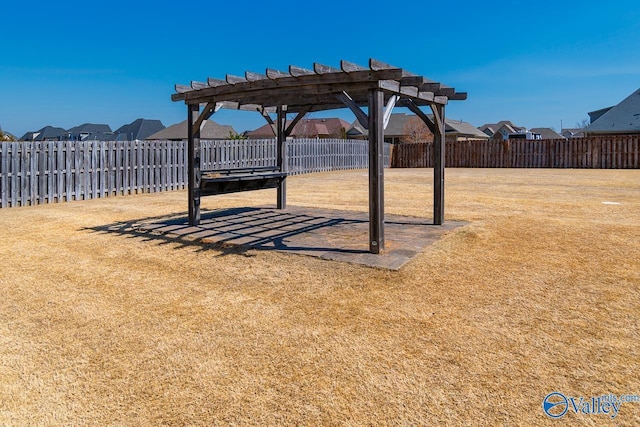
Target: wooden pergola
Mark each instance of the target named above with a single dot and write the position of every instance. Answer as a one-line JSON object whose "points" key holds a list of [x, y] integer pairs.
{"points": [[379, 87]]}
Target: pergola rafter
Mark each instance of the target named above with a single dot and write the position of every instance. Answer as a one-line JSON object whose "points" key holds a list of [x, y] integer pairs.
{"points": [[378, 87]]}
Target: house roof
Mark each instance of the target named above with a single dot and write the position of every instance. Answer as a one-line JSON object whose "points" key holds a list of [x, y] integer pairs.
{"points": [[47, 132], [595, 115], [463, 129], [622, 118], [97, 132], [311, 127], [90, 128], [138, 129], [572, 132], [397, 127], [491, 128], [547, 133], [208, 130], [321, 129]]}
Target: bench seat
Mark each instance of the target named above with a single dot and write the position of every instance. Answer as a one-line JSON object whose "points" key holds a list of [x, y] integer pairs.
{"points": [[226, 181]]}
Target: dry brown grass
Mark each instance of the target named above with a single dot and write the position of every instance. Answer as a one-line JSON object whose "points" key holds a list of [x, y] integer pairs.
{"points": [[539, 293]]}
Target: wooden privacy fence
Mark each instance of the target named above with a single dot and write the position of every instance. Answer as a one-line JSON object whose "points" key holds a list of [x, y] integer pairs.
{"points": [[616, 152], [47, 172]]}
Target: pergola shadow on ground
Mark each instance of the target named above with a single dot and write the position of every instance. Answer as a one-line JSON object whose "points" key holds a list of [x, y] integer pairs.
{"points": [[327, 234]]}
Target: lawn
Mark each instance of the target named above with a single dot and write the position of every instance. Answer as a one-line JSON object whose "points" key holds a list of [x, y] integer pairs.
{"points": [[539, 293]]}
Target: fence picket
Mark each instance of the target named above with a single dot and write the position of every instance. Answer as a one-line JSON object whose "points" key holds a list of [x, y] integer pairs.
{"points": [[51, 174], [4, 174], [33, 172], [25, 159]]}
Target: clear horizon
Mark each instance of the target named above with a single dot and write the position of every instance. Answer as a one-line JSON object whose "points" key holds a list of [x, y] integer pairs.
{"points": [[539, 65]]}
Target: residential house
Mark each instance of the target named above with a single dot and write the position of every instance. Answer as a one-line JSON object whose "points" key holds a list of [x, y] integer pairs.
{"points": [[208, 130], [501, 130], [408, 128], [572, 132], [402, 128], [457, 130], [90, 132], [307, 128], [47, 133], [139, 129], [623, 118], [546, 133]]}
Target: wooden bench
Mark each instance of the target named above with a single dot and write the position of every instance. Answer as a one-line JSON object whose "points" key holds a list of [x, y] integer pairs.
{"points": [[223, 181]]}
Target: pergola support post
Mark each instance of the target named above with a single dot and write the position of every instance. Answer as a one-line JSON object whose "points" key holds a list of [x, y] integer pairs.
{"points": [[376, 171], [281, 142], [438, 164], [437, 127], [193, 148]]}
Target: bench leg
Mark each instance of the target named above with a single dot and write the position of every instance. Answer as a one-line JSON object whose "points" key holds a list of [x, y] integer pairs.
{"points": [[282, 194], [194, 208]]}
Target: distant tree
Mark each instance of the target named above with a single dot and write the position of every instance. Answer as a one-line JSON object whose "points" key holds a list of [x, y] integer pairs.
{"points": [[234, 135], [583, 123], [5, 136], [306, 128], [415, 131]]}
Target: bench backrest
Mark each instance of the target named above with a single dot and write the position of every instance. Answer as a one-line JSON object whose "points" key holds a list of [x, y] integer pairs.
{"points": [[244, 171]]}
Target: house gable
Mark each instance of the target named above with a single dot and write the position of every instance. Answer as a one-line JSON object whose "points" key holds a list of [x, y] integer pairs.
{"points": [[500, 130], [139, 129], [208, 130], [91, 131], [623, 118], [47, 133], [307, 128]]}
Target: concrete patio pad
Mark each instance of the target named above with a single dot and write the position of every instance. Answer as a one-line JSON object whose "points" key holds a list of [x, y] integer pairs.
{"points": [[329, 234]]}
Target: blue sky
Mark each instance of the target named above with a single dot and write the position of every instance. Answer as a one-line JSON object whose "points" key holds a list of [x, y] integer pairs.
{"points": [[534, 63]]}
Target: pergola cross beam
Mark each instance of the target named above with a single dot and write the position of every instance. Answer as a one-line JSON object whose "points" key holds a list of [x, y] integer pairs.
{"points": [[361, 116]]}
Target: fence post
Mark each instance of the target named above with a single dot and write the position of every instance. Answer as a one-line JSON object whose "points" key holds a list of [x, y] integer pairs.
{"points": [[282, 161], [4, 173], [33, 171]]}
